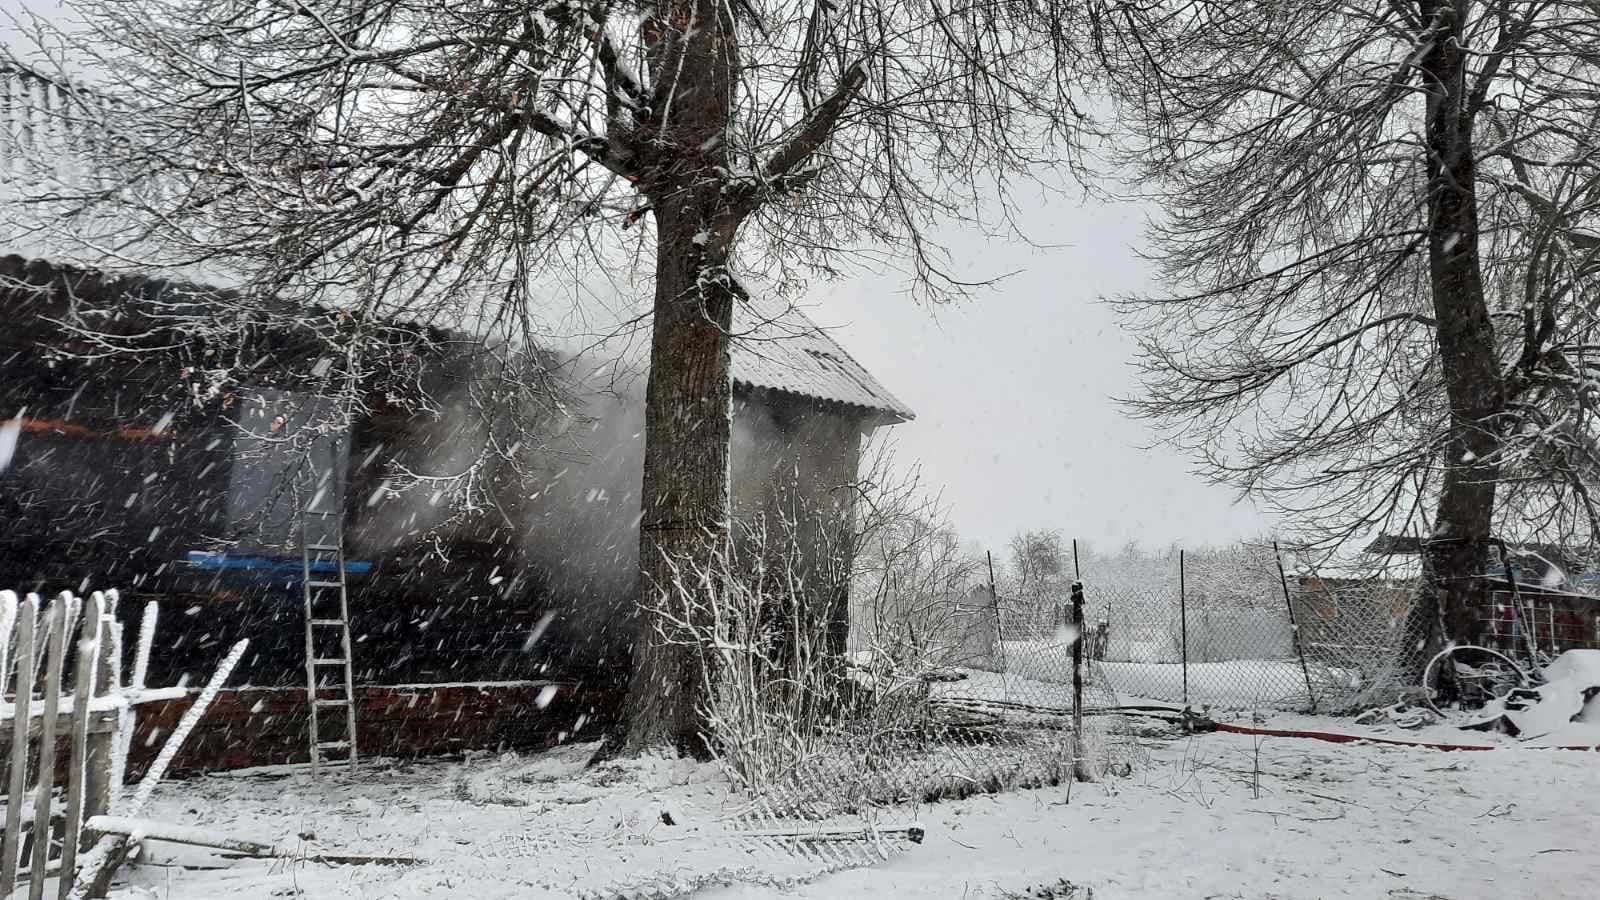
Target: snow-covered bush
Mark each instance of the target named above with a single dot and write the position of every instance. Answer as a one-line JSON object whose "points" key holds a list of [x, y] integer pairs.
{"points": [[812, 724]]}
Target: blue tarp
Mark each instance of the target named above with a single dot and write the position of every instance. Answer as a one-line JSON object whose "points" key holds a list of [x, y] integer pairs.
{"points": [[275, 567]]}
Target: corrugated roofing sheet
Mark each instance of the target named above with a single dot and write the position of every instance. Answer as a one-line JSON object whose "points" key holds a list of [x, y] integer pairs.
{"points": [[777, 347]]}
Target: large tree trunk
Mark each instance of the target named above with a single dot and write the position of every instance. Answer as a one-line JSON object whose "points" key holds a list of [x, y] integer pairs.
{"points": [[685, 493], [692, 55], [1464, 523]]}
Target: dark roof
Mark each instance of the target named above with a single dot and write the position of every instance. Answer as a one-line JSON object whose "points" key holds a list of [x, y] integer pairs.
{"points": [[1540, 568], [777, 347]]}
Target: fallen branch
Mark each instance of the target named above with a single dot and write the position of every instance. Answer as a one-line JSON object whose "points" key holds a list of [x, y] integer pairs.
{"points": [[149, 830], [138, 830]]}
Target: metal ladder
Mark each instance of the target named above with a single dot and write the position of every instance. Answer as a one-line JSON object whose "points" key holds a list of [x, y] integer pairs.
{"points": [[327, 608]]}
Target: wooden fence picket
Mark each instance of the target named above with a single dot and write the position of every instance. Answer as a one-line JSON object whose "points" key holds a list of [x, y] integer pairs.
{"points": [[22, 709], [84, 683], [57, 617], [95, 719], [101, 771]]}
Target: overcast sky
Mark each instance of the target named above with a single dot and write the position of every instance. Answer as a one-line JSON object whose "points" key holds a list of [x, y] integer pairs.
{"points": [[1013, 390]]}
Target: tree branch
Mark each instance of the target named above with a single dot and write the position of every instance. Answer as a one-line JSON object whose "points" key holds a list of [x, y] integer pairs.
{"points": [[780, 174]]}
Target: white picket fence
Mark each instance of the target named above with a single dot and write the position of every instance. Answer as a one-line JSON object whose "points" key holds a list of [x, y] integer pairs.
{"points": [[39, 707]]}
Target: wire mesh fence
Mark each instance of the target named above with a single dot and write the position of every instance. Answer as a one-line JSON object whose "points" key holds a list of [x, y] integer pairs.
{"points": [[1229, 631], [1360, 637], [950, 689], [940, 706]]}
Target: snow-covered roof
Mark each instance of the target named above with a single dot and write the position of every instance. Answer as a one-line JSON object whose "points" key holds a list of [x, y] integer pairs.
{"points": [[777, 347]]}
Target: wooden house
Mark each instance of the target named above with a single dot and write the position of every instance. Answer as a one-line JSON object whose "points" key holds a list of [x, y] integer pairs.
{"points": [[501, 627]]}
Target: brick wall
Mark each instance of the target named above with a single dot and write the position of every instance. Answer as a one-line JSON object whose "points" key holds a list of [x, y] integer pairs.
{"points": [[255, 727], [1559, 621]]}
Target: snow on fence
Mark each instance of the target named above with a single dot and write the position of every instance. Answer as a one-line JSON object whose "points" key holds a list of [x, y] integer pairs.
{"points": [[1234, 636], [91, 712]]}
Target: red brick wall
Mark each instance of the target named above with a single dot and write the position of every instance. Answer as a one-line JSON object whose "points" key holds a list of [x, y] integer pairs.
{"points": [[1559, 622], [256, 727]]}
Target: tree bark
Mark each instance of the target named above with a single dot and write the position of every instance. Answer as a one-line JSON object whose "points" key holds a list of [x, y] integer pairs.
{"points": [[1464, 521], [685, 171], [692, 54], [685, 491]]}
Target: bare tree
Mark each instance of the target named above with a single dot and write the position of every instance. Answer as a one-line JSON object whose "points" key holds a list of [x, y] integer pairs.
{"points": [[438, 160], [1038, 591], [910, 575], [1379, 247]]}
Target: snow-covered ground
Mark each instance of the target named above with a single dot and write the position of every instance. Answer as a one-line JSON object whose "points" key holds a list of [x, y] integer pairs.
{"points": [[1318, 821], [1562, 711], [1219, 815]]}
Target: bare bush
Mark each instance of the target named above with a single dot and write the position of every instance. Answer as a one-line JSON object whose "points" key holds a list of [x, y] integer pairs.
{"points": [[909, 712], [912, 598]]}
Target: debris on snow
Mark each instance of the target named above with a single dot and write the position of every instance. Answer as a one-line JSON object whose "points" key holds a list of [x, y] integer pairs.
{"points": [[1566, 708], [546, 826]]}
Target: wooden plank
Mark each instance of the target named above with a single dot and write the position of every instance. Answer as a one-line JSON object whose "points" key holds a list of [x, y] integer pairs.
{"points": [[22, 659], [106, 761], [8, 623], [84, 687], [152, 830], [101, 721], [147, 639], [56, 616]]}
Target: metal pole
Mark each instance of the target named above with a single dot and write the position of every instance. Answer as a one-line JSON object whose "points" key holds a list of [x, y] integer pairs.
{"points": [[1183, 627], [1080, 770], [994, 600], [1294, 627], [1077, 575], [1522, 615]]}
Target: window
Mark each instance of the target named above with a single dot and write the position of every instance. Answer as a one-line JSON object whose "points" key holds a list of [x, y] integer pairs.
{"points": [[286, 457]]}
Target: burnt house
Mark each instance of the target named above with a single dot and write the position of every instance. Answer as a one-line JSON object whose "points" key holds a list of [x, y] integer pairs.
{"points": [[506, 626], [114, 476], [1543, 593]]}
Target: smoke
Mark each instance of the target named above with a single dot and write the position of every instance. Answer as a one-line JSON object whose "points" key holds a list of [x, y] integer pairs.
{"points": [[399, 508], [754, 453], [581, 531], [574, 511]]}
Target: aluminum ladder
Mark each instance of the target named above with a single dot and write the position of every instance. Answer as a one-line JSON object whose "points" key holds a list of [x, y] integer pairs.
{"points": [[327, 601]]}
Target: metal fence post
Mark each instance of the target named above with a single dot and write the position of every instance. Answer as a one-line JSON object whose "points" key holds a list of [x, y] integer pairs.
{"points": [[994, 602], [1080, 770], [1183, 627], [1519, 610], [1294, 627]]}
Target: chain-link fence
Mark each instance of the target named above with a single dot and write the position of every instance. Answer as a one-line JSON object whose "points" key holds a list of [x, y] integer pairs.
{"points": [[1361, 636], [933, 713], [947, 689], [1227, 631]]}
